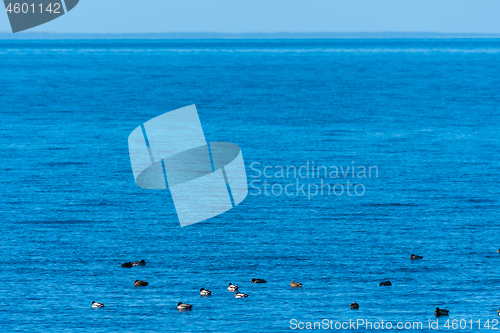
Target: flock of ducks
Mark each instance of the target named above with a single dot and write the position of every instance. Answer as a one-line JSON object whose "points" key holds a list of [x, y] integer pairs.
{"points": [[234, 288], [203, 292]]}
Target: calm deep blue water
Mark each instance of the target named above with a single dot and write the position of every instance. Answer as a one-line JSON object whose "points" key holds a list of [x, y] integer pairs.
{"points": [[425, 113]]}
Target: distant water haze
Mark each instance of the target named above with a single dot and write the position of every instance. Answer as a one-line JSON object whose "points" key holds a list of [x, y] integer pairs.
{"points": [[270, 35]]}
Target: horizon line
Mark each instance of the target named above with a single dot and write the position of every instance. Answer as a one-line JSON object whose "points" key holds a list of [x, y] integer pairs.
{"points": [[246, 35]]}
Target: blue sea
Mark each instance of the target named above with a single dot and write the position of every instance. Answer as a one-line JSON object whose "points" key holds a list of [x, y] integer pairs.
{"points": [[424, 114]]}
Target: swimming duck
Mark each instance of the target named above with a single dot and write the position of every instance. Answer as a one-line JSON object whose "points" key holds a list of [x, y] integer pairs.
{"points": [[385, 283], [258, 281], [354, 305], [204, 292], [139, 263], [97, 305], [232, 287], [182, 306], [415, 257], [139, 283], [441, 312], [127, 265], [240, 295], [499, 312], [296, 284]]}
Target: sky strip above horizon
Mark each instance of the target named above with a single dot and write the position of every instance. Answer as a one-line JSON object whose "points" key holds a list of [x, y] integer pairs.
{"points": [[160, 16]]}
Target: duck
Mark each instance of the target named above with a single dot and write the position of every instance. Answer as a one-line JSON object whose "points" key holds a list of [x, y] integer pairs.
{"points": [[415, 257], [205, 292], [499, 312], [258, 281], [97, 305], [139, 263], [232, 287], [295, 284], [441, 312], [240, 295], [127, 265], [354, 305], [139, 283], [498, 251], [385, 283], [182, 306]]}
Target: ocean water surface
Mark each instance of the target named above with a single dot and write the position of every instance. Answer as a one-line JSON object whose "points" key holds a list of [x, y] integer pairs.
{"points": [[423, 113]]}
